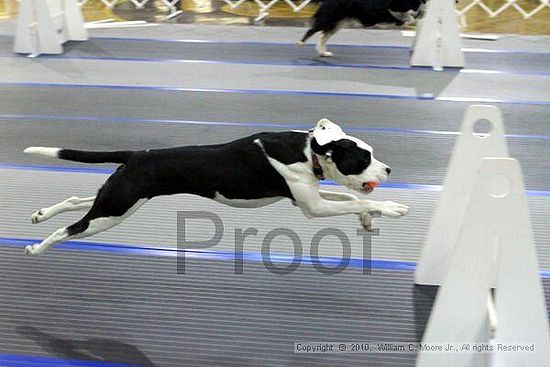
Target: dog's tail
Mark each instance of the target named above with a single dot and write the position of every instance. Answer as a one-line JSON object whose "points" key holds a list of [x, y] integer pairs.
{"points": [[121, 157]]}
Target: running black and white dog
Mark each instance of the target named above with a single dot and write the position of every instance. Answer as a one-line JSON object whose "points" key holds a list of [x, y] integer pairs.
{"points": [[250, 172], [333, 13]]}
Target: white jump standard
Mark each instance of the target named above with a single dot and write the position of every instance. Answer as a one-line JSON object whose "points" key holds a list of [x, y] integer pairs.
{"points": [[250, 172], [44, 25]]}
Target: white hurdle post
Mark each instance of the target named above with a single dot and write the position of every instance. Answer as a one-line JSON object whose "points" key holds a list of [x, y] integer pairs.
{"points": [[44, 25], [437, 43], [468, 152], [494, 248]]}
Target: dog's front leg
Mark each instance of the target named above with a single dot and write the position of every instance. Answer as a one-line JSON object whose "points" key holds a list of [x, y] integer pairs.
{"points": [[365, 218], [313, 204], [328, 208], [377, 207]]}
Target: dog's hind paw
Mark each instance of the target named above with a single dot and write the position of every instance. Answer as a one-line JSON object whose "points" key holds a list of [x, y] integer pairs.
{"points": [[326, 54], [32, 250], [300, 44], [38, 216], [392, 209]]}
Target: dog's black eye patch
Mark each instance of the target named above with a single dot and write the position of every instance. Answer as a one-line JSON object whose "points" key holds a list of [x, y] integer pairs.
{"points": [[349, 158]]}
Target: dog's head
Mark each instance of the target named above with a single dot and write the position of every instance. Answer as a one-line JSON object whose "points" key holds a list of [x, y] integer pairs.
{"points": [[346, 159], [407, 12]]}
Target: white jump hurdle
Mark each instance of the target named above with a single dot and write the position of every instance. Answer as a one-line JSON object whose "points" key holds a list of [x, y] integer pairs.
{"points": [[44, 25], [495, 247], [468, 152], [487, 244], [437, 43]]}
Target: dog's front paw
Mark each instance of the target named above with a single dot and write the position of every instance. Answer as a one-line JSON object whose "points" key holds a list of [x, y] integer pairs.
{"points": [[300, 44], [366, 221], [38, 216], [32, 250], [326, 54], [392, 209]]}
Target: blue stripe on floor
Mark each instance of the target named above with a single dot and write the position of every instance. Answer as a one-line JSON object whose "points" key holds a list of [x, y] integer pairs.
{"points": [[145, 250], [29, 167], [300, 63], [17, 360], [215, 90], [336, 45], [125, 249], [426, 97]]}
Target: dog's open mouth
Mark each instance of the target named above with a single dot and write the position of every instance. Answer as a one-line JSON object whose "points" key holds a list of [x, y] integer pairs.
{"points": [[368, 187]]}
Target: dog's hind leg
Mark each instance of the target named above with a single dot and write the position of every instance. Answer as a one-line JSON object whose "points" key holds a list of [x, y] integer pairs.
{"points": [[83, 228], [70, 204], [322, 44], [115, 201], [308, 34]]}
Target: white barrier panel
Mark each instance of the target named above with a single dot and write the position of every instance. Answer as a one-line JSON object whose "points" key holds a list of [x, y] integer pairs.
{"points": [[437, 43], [468, 152], [44, 25], [495, 239]]}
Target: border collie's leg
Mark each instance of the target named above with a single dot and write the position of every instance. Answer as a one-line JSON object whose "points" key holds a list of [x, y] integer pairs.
{"points": [[308, 34], [72, 203], [322, 45]]}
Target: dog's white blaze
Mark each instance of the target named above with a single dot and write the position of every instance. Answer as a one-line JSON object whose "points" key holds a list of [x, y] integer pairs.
{"points": [[46, 151], [246, 203]]}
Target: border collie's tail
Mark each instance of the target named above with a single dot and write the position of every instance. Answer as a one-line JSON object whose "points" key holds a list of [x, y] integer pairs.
{"points": [[121, 157]]}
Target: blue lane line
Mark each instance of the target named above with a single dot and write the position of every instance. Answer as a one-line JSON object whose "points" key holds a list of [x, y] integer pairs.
{"points": [[301, 63], [121, 119], [336, 45], [139, 250], [293, 44], [211, 255], [308, 63], [216, 90], [28, 167], [16, 360], [276, 92], [385, 185]]}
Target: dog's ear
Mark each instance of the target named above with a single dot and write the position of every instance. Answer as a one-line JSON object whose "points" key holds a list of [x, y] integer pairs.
{"points": [[323, 150], [319, 149]]}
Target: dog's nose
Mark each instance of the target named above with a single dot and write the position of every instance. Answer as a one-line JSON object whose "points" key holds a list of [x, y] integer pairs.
{"points": [[388, 170]]}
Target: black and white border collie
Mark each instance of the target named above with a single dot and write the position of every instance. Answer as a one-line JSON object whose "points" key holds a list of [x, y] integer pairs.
{"points": [[333, 13], [250, 172]]}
